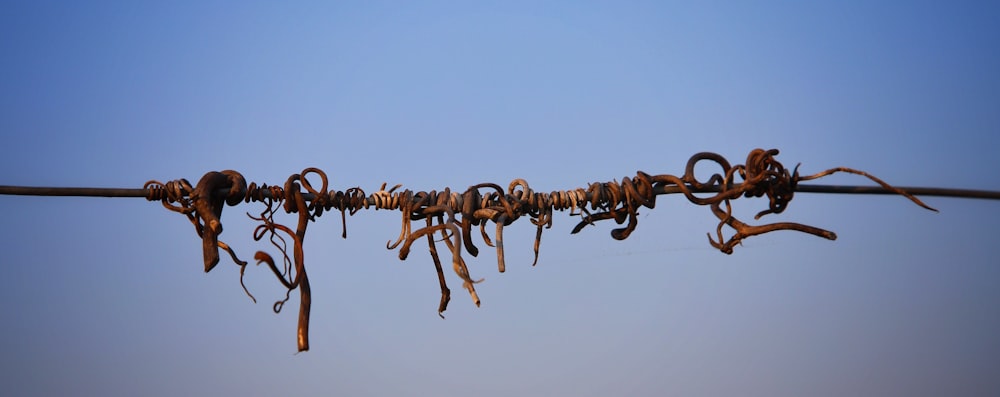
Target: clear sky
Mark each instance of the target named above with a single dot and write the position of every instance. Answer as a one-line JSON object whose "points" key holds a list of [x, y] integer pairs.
{"points": [[108, 296]]}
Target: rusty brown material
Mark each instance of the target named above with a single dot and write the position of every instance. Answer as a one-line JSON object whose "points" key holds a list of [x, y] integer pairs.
{"points": [[208, 209], [203, 206], [452, 215]]}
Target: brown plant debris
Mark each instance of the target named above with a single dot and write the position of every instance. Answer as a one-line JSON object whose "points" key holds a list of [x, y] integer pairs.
{"points": [[452, 215]]}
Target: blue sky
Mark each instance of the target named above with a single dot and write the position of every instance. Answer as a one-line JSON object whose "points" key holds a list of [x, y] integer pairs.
{"points": [[108, 296]]}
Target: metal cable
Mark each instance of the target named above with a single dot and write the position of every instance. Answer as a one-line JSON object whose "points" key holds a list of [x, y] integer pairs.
{"points": [[448, 216], [801, 188]]}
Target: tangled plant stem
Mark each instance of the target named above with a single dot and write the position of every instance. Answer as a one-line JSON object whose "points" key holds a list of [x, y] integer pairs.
{"points": [[452, 215]]}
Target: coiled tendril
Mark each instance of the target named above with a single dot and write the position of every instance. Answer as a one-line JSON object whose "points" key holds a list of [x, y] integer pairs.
{"points": [[453, 214]]}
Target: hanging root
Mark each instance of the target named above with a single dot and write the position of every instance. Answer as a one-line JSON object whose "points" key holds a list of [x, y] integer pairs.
{"points": [[454, 214]]}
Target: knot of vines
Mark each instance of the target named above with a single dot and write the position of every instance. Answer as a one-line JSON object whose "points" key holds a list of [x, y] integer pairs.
{"points": [[451, 215]]}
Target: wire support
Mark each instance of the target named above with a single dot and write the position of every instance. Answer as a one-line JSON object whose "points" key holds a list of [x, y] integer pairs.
{"points": [[448, 216], [11, 190]]}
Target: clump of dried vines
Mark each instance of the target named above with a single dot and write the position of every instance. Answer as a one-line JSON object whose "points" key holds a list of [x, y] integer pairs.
{"points": [[452, 215]]}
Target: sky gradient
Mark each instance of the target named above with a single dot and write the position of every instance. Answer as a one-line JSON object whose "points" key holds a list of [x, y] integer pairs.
{"points": [[108, 296]]}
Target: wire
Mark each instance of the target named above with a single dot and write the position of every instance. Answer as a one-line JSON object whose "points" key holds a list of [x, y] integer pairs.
{"points": [[449, 217], [801, 188]]}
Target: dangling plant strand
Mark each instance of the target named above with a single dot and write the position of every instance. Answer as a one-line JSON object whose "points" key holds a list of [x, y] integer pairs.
{"points": [[452, 215]]}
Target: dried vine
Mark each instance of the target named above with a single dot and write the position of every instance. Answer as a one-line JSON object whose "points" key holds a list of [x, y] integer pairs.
{"points": [[452, 215]]}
